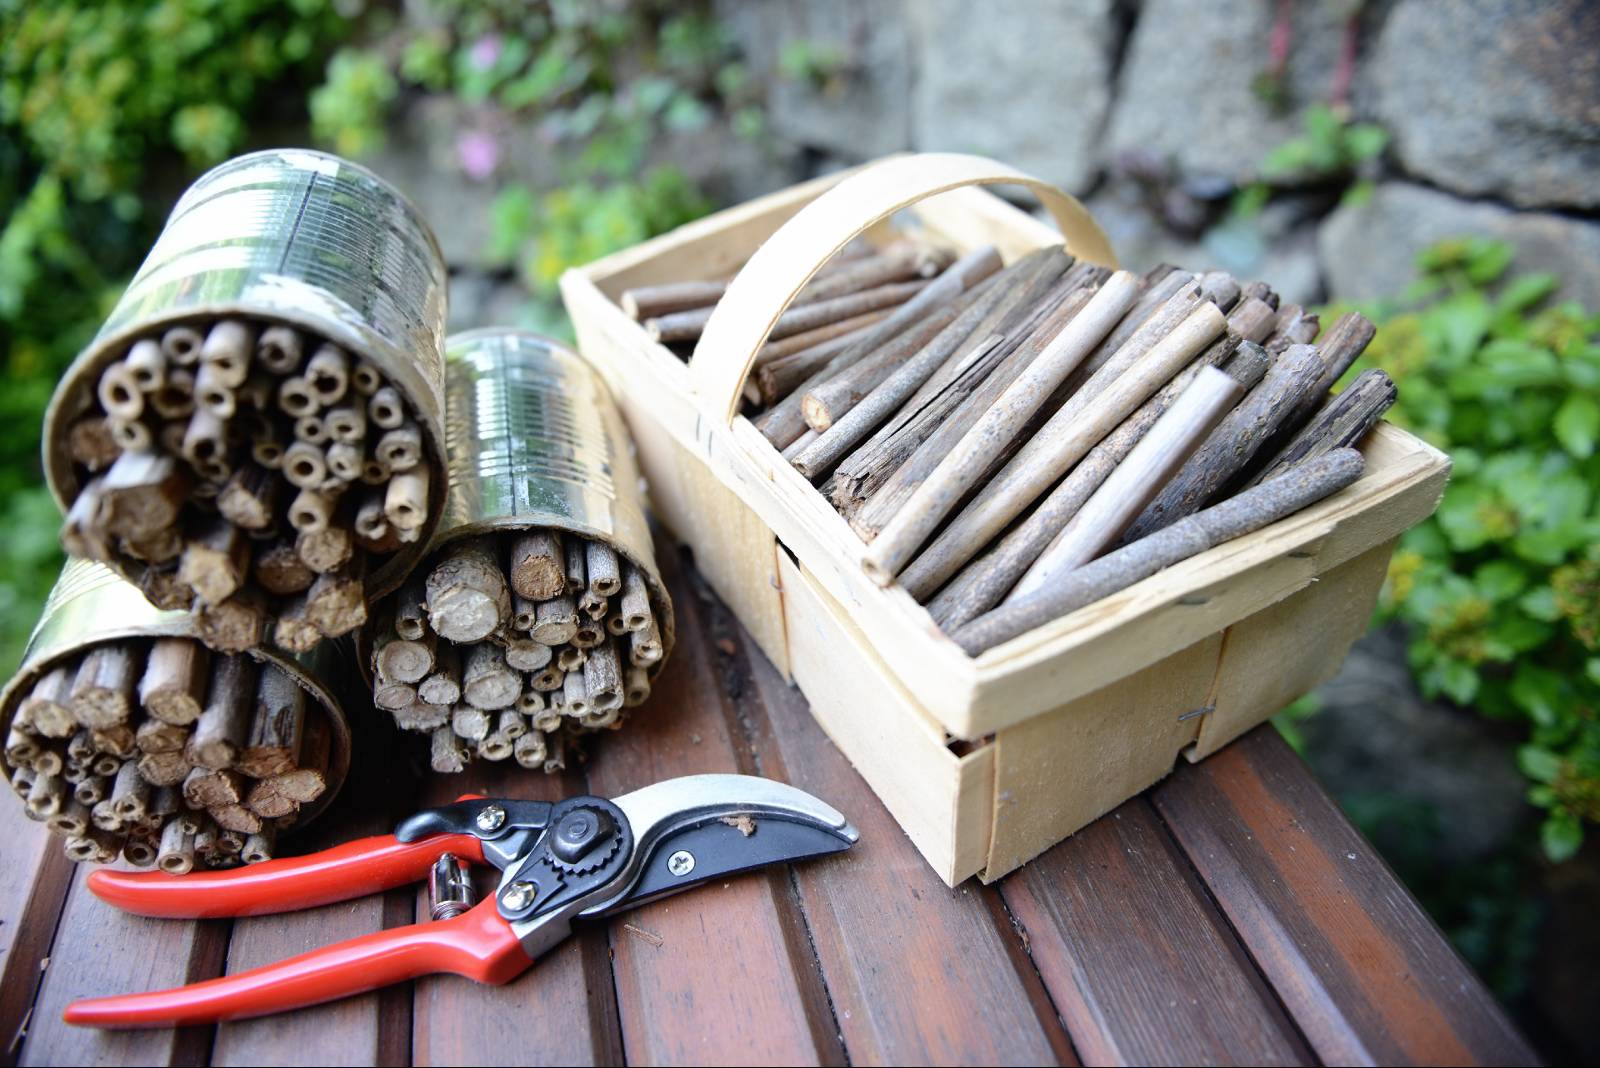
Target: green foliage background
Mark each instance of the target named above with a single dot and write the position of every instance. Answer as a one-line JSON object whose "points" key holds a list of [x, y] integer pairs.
{"points": [[106, 110]]}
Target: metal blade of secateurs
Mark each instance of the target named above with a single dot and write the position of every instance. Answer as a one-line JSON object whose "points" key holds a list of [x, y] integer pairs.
{"points": [[703, 827]]}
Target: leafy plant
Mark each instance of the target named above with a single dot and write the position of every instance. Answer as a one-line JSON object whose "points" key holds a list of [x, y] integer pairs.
{"points": [[603, 86], [1331, 146], [104, 107], [1501, 587]]}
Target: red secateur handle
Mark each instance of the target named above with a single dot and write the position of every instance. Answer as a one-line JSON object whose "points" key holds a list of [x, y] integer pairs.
{"points": [[355, 869], [478, 944]]}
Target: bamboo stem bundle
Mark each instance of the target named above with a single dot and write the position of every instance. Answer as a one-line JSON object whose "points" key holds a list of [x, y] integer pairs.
{"points": [[225, 433], [134, 747], [498, 622]]}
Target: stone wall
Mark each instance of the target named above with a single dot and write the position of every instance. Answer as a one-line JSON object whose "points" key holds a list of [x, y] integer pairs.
{"points": [[1493, 109]]}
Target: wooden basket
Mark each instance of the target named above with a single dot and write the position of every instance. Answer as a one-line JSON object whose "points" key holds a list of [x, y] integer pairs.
{"points": [[985, 761]]}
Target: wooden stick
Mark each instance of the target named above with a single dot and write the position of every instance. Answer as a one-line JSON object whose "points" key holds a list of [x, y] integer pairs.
{"points": [[146, 365], [602, 677], [466, 592], [181, 344], [154, 736], [443, 685], [469, 723], [119, 393], [328, 374], [873, 482], [1019, 281], [635, 603], [227, 350], [406, 503], [529, 750], [530, 701], [571, 658], [116, 740], [206, 787], [410, 609], [833, 398], [644, 646], [1339, 424], [174, 399], [224, 726], [48, 706], [555, 621], [312, 430], [277, 723], [164, 769], [538, 565], [1251, 510], [215, 561], [1077, 426], [548, 680], [280, 570], [1231, 445], [304, 465], [525, 654], [392, 694], [1339, 347], [1136, 480], [575, 695], [986, 580], [448, 755], [401, 448], [142, 494], [421, 716], [403, 659], [774, 351], [311, 511], [91, 444], [336, 603], [326, 550], [777, 376], [652, 302], [784, 421], [103, 688], [636, 690], [487, 682], [603, 569], [958, 472], [280, 349], [249, 497], [687, 326]]}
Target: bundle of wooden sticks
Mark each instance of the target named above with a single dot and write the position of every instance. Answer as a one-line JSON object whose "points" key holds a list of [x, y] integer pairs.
{"points": [[157, 751], [248, 470], [1000, 427], [514, 644]]}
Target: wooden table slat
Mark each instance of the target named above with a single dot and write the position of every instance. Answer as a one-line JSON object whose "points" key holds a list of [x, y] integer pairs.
{"points": [[918, 973], [1365, 973], [34, 878], [297, 1038], [561, 1011], [100, 950], [719, 974], [1136, 956]]}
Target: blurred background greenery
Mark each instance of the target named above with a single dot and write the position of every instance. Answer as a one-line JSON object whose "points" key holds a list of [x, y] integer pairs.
{"points": [[564, 130]]}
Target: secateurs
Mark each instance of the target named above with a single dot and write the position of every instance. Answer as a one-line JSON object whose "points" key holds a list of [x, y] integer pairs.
{"points": [[581, 857]]}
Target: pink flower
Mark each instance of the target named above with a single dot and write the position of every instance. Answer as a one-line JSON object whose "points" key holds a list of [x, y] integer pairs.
{"points": [[479, 154], [485, 50]]}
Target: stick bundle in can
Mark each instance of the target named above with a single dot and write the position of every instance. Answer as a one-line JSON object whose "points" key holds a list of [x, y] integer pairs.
{"points": [[275, 452], [130, 738], [539, 615]]}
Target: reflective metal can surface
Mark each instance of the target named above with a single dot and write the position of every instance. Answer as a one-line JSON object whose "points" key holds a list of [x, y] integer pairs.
{"points": [[90, 604], [535, 440], [299, 237]]}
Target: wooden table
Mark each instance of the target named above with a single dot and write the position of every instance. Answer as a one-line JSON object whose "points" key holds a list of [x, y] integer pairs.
{"points": [[1230, 915]]}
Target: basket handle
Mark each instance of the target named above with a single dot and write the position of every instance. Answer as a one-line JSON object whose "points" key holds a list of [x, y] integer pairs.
{"points": [[783, 265]]}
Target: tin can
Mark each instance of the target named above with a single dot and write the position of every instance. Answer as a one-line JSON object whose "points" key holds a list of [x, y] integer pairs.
{"points": [[298, 237], [91, 605], [534, 440]]}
